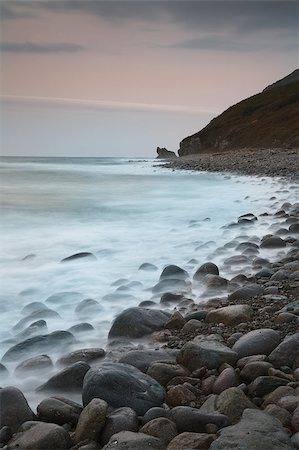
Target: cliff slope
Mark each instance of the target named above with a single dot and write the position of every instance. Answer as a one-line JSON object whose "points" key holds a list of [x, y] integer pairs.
{"points": [[266, 120]]}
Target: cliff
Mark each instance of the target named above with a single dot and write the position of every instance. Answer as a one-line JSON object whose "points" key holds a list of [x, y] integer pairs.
{"points": [[266, 120]]}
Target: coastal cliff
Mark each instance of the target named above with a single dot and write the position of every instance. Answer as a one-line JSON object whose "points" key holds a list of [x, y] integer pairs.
{"points": [[265, 120]]}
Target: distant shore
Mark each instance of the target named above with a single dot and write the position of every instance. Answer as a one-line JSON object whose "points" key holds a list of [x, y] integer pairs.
{"points": [[264, 162]]}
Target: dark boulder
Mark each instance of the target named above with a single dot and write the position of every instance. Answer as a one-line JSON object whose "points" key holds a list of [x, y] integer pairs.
{"points": [[37, 344], [137, 322], [14, 408], [69, 379], [84, 354], [193, 420], [41, 436], [122, 385], [59, 411], [205, 269], [142, 359], [81, 255], [174, 272], [121, 419]]}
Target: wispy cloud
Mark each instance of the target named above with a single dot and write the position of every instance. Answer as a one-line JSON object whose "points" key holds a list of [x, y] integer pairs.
{"points": [[103, 105], [32, 47]]}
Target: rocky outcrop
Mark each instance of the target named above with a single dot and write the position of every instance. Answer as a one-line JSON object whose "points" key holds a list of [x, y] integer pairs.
{"points": [[163, 153], [268, 119]]}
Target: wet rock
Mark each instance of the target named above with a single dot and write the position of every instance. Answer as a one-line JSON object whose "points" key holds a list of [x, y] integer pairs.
{"points": [[161, 428], [34, 329], [230, 315], [264, 385], [192, 420], [205, 269], [137, 322], [246, 293], [168, 284], [121, 419], [169, 297], [82, 255], [256, 430], [285, 353], [192, 326], [14, 408], [3, 371], [82, 327], [264, 273], [163, 372], [35, 345], [273, 242], [262, 341], [191, 441], [91, 420], [294, 228], [45, 436], [281, 275], [215, 282], [69, 379], [127, 440], [61, 298], [85, 354], [174, 272], [33, 307], [236, 260], [211, 354], [227, 379], [42, 314], [142, 359], [87, 307], [197, 315], [59, 411], [232, 403], [122, 385], [148, 267], [37, 363]]}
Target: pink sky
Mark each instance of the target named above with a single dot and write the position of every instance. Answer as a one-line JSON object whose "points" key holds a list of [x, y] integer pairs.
{"points": [[153, 73]]}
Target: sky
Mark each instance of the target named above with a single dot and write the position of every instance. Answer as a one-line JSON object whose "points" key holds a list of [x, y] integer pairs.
{"points": [[119, 78]]}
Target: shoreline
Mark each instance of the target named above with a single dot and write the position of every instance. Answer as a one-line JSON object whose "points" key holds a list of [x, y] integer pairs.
{"points": [[192, 358], [263, 162]]}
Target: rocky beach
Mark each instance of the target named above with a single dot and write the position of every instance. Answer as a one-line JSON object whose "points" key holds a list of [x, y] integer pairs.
{"points": [[209, 361]]}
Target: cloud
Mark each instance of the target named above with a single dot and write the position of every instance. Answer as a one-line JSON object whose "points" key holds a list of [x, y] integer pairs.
{"points": [[31, 47], [227, 44], [75, 103], [243, 15], [10, 11]]}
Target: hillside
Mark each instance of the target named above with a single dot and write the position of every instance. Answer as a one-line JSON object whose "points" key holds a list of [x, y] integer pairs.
{"points": [[266, 120]]}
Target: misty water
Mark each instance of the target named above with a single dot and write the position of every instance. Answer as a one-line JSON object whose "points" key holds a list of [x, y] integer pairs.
{"points": [[126, 213]]}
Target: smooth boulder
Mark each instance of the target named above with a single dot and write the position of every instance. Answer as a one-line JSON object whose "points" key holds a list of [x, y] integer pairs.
{"points": [[42, 436], [138, 322], [122, 385], [257, 342], [14, 408], [128, 440]]}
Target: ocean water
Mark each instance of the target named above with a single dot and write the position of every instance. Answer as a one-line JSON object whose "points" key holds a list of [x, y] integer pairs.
{"points": [[126, 212]]}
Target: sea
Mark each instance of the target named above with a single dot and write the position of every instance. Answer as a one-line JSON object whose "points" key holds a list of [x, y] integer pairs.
{"points": [[126, 212]]}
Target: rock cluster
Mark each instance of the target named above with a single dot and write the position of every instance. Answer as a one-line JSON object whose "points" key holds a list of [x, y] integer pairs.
{"points": [[215, 374]]}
